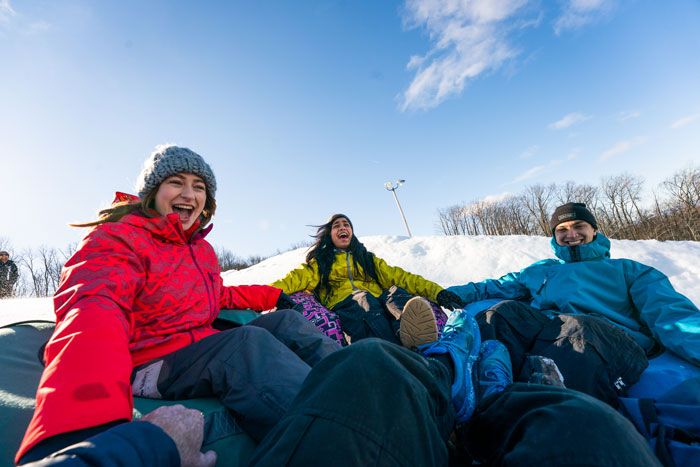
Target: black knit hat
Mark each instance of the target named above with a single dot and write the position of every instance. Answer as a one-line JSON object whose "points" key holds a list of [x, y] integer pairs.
{"points": [[570, 212]]}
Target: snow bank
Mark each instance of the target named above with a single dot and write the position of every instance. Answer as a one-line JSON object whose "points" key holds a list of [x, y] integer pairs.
{"points": [[447, 261]]}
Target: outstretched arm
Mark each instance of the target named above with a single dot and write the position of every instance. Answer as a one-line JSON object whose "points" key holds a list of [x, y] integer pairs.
{"points": [[255, 297], [412, 283], [170, 435], [86, 381], [305, 277], [508, 287], [671, 316]]}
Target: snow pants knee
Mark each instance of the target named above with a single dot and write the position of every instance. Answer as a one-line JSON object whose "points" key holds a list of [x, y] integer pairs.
{"points": [[376, 403], [593, 355], [530, 424], [255, 370], [371, 403]]}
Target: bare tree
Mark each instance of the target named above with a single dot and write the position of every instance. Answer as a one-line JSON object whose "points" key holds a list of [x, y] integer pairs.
{"points": [[622, 195], [616, 205], [44, 266], [571, 192], [683, 187], [538, 201], [451, 220], [228, 260], [507, 216]]}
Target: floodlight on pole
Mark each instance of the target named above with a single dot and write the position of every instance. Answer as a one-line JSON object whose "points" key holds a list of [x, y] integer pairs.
{"points": [[392, 187]]}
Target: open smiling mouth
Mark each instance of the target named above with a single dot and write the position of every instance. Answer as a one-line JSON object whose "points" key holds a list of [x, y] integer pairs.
{"points": [[183, 210]]}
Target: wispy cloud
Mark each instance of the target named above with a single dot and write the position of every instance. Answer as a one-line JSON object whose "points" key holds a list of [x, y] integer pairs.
{"points": [[569, 120], [469, 38], [11, 21], [621, 147], [529, 173], [684, 121], [577, 13], [487, 200], [37, 27], [6, 11], [529, 152], [533, 171], [622, 116], [497, 198]]}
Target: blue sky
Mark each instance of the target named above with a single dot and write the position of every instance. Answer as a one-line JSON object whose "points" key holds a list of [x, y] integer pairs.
{"points": [[307, 108]]}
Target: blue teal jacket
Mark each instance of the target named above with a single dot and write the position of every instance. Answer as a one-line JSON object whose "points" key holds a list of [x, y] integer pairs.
{"points": [[585, 280]]}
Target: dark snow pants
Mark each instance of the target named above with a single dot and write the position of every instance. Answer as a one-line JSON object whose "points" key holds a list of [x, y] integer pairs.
{"points": [[363, 315], [594, 356], [255, 370], [376, 403]]}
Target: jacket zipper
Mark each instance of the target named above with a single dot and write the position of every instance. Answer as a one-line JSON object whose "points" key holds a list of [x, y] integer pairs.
{"points": [[544, 295], [206, 282], [347, 257], [575, 253]]}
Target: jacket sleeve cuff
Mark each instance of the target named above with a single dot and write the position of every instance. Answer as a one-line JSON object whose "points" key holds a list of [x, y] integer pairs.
{"points": [[138, 444]]}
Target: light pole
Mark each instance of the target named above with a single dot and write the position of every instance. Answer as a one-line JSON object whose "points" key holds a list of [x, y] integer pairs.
{"points": [[391, 187]]}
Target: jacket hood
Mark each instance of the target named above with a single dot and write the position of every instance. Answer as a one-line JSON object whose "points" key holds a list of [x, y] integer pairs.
{"points": [[599, 248]]}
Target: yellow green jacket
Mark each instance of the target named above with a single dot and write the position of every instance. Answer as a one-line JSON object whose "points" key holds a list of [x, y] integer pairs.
{"points": [[345, 278]]}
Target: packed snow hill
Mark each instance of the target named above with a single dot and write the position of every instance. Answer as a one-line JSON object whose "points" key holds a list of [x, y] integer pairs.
{"points": [[456, 260], [452, 260]]}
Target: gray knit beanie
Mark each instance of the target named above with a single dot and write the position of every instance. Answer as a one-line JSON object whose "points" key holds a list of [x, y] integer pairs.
{"points": [[168, 160]]}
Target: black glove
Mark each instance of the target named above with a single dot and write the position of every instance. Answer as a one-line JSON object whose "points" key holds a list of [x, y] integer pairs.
{"points": [[284, 302], [449, 300]]}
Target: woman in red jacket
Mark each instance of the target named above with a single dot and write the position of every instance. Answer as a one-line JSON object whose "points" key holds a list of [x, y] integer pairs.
{"points": [[134, 313]]}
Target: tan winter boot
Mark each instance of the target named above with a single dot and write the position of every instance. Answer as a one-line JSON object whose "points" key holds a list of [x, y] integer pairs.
{"points": [[418, 324]]}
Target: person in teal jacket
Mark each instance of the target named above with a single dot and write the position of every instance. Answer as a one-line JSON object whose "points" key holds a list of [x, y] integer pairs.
{"points": [[630, 295]]}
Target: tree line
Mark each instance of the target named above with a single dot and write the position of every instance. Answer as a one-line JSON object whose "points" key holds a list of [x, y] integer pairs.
{"points": [[673, 213]]}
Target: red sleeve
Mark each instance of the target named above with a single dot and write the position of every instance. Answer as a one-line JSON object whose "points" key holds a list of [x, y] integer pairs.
{"points": [[256, 297], [86, 381]]}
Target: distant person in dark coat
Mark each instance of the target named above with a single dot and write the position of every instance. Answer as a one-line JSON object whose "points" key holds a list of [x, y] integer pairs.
{"points": [[8, 274]]}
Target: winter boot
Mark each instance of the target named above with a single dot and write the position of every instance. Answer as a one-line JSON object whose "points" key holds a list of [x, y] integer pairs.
{"points": [[417, 325], [493, 368], [461, 340]]}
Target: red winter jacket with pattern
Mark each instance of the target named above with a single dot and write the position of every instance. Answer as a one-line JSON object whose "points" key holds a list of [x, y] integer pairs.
{"points": [[134, 290]]}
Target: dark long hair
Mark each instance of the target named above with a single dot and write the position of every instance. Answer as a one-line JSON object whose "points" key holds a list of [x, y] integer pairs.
{"points": [[323, 251]]}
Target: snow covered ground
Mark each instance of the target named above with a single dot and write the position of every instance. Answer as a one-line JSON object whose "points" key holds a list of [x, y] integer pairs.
{"points": [[447, 261]]}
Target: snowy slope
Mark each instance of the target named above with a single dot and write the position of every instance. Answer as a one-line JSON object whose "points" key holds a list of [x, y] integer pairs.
{"points": [[447, 261], [459, 259]]}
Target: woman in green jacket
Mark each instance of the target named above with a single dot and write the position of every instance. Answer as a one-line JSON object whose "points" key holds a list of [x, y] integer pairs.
{"points": [[370, 297]]}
